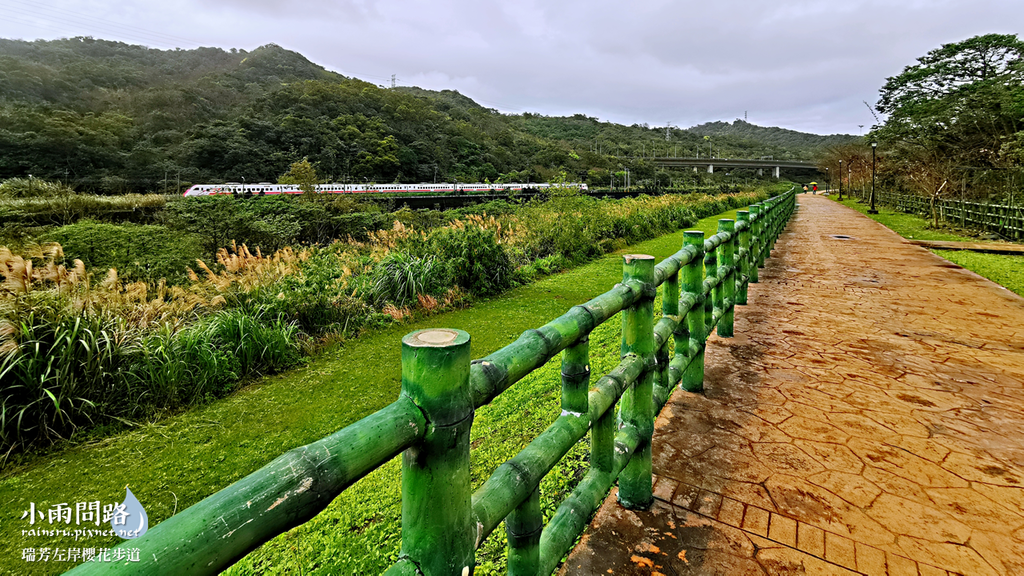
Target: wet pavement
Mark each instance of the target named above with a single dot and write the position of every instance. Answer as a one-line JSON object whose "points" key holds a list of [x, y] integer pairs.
{"points": [[868, 418]]}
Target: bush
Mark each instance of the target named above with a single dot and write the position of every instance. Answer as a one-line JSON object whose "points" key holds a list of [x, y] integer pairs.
{"points": [[400, 277], [318, 298], [138, 252], [474, 260], [568, 225], [62, 369], [271, 223], [32, 188], [59, 371]]}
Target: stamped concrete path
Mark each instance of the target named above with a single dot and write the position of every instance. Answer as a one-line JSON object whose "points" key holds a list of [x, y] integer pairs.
{"points": [[868, 417]]}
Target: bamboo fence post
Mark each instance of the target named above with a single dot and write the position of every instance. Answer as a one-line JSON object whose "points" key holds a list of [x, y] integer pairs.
{"points": [[525, 524], [764, 232], [711, 273], [437, 533], [743, 257], [576, 377], [727, 274], [637, 404], [693, 278], [756, 241], [669, 308], [523, 527], [602, 442]]}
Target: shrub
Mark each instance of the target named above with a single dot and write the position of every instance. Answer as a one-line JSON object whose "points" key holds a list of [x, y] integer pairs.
{"points": [[138, 252], [400, 277], [33, 188], [474, 260], [58, 371], [569, 225]]}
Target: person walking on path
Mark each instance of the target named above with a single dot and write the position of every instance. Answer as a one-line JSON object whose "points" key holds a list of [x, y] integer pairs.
{"points": [[815, 188], [805, 188]]}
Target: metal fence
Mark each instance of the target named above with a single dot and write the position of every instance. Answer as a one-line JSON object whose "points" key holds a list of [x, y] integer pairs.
{"points": [[443, 521]]}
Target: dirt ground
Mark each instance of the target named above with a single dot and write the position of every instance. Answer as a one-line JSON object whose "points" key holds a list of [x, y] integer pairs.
{"points": [[868, 417]]}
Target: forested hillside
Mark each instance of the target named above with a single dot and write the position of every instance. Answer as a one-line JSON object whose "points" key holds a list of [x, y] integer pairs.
{"points": [[113, 118], [790, 143]]}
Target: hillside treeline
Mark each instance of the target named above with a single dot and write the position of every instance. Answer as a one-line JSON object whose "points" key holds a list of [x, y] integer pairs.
{"points": [[113, 118], [952, 125]]}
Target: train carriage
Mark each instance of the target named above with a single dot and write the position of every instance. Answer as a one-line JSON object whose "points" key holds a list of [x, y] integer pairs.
{"points": [[268, 189]]}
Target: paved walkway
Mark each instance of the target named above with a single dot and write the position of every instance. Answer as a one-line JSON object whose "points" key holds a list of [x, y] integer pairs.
{"points": [[867, 418]]}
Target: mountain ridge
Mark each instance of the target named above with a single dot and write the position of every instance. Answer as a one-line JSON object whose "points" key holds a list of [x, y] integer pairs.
{"points": [[113, 117]]}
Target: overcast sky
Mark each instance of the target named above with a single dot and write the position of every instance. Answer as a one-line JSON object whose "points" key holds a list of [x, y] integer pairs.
{"points": [[807, 65]]}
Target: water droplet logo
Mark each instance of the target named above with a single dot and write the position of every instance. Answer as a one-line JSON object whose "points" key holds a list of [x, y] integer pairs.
{"points": [[130, 519]]}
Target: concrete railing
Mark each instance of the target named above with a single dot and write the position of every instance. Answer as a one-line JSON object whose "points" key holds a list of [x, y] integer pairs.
{"points": [[443, 521]]}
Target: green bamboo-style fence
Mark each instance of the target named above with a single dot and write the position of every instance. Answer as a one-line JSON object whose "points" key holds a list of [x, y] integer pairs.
{"points": [[1006, 220], [443, 521]]}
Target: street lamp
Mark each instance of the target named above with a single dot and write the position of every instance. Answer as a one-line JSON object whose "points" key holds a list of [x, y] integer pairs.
{"points": [[828, 179], [872, 210], [840, 180]]}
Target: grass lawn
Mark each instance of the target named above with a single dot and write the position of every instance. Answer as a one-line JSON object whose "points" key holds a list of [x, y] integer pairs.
{"points": [[174, 463], [1003, 269]]}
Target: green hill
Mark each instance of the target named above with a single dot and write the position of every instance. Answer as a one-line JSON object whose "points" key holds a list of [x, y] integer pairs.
{"points": [[111, 117], [795, 145]]}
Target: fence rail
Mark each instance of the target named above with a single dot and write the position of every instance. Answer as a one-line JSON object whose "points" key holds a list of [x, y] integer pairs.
{"points": [[443, 522], [1006, 220]]}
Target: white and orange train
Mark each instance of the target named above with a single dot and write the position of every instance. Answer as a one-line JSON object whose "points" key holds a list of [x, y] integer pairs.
{"points": [[268, 188]]}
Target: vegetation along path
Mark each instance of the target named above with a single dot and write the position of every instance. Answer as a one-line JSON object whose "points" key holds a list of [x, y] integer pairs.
{"points": [[867, 418], [174, 463]]}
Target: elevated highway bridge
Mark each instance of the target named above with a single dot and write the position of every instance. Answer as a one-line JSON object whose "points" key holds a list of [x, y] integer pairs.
{"points": [[712, 163]]}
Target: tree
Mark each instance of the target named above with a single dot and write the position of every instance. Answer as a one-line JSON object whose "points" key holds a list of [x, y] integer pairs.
{"points": [[302, 174], [953, 69], [954, 116]]}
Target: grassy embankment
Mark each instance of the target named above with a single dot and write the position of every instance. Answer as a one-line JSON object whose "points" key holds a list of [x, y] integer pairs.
{"points": [[1003, 269], [81, 356], [178, 461]]}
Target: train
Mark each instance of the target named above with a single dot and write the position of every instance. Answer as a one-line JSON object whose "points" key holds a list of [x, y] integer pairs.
{"points": [[266, 188]]}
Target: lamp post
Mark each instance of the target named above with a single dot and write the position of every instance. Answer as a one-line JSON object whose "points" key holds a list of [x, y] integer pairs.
{"points": [[828, 179], [872, 210], [840, 180]]}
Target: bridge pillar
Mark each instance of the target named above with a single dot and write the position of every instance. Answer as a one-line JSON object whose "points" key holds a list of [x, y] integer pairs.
{"points": [[711, 169], [777, 175]]}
